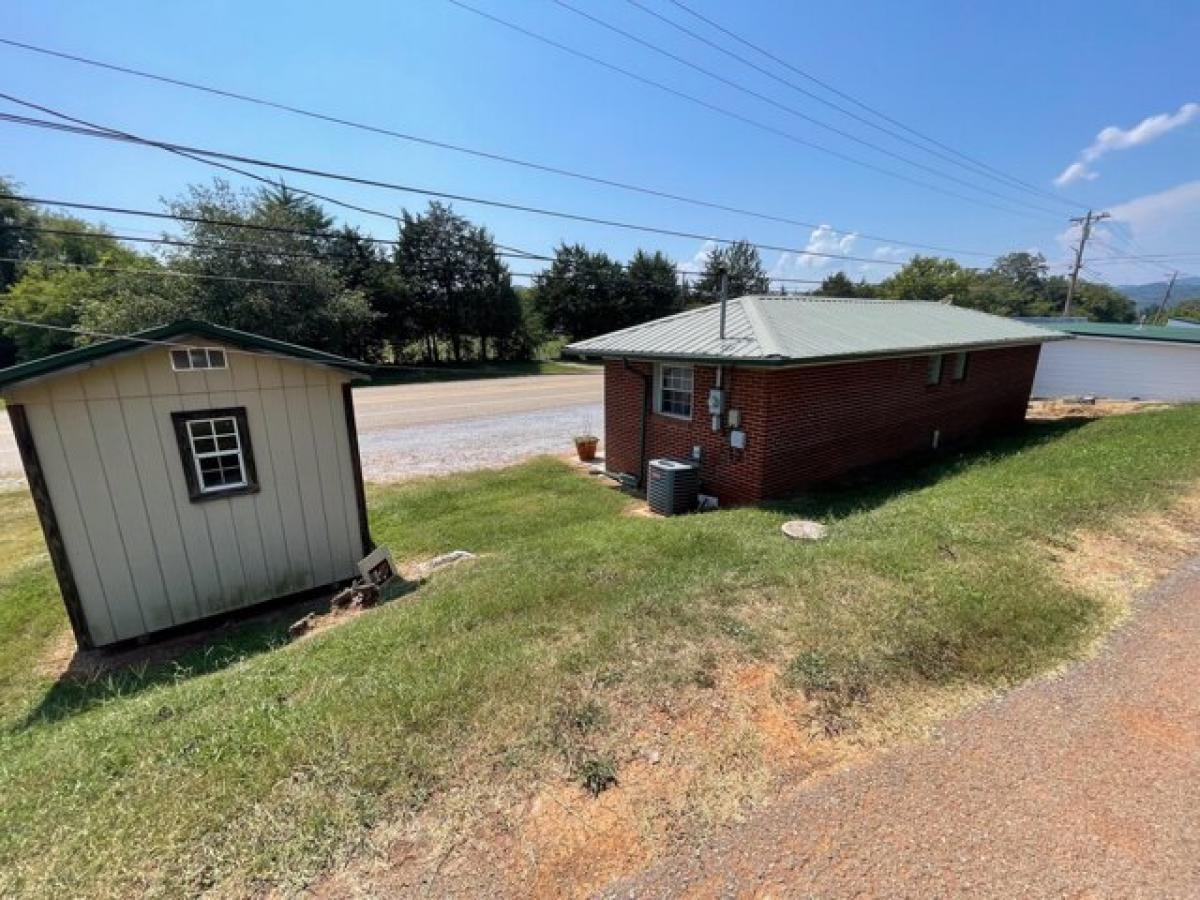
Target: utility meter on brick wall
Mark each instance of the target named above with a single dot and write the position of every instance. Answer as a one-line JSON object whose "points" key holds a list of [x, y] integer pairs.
{"points": [[716, 402]]}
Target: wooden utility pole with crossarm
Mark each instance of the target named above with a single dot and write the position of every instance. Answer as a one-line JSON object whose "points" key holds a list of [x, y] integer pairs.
{"points": [[1087, 222]]}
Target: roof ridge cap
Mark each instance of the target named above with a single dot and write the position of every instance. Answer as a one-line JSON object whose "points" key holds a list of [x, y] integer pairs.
{"points": [[758, 322]]}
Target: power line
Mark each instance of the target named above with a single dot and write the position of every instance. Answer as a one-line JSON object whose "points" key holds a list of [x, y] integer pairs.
{"points": [[237, 247], [860, 104], [791, 110], [413, 189], [969, 165], [199, 245], [763, 126], [154, 273], [471, 151]]}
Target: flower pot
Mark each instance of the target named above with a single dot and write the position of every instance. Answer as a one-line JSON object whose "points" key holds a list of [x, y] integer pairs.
{"points": [[586, 448]]}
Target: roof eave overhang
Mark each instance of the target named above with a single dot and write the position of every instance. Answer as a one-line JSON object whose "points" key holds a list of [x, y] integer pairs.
{"points": [[781, 361]]}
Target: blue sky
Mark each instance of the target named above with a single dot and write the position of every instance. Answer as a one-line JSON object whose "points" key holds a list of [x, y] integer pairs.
{"points": [[1026, 87]]}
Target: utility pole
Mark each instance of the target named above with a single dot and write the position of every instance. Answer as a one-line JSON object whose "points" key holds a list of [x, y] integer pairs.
{"points": [[1162, 307], [1087, 222]]}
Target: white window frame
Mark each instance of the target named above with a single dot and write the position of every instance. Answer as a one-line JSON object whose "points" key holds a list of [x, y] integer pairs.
{"points": [[660, 372], [199, 359], [198, 455]]}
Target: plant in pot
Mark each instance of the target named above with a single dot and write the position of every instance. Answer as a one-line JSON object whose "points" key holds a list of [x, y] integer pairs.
{"points": [[586, 443], [585, 446]]}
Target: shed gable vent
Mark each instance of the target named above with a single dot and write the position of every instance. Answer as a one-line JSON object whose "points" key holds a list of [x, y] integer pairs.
{"points": [[192, 359]]}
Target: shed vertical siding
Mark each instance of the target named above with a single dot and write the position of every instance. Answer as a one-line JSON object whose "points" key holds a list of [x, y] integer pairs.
{"points": [[1119, 369], [144, 555]]}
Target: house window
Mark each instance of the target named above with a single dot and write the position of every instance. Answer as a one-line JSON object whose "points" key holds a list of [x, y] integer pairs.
{"points": [[960, 367], [673, 394], [934, 375], [214, 445], [193, 359]]}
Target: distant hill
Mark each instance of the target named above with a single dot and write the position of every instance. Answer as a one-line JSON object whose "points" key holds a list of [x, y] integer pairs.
{"points": [[1148, 296]]}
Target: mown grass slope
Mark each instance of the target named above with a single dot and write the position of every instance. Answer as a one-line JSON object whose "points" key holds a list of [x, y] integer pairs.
{"points": [[252, 764]]}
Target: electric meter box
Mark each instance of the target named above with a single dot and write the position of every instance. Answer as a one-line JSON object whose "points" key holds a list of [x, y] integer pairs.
{"points": [[716, 402]]}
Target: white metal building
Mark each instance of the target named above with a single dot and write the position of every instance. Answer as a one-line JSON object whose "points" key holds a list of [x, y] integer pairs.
{"points": [[187, 472], [1121, 362]]}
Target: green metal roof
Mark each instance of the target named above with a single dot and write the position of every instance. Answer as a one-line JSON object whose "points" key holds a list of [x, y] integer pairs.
{"points": [[780, 330], [1174, 333], [48, 365]]}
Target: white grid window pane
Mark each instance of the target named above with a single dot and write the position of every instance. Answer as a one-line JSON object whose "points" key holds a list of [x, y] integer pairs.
{"points": [[675, 391], [217, 453], [193, 359]]}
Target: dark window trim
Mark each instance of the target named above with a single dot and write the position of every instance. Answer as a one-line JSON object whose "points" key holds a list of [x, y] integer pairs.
{"points": [[360, 494], [49, 522], [238, 414], [957, 376], [931, 383]]}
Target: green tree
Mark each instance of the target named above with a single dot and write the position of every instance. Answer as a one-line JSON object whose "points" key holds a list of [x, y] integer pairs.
{"points": [[278, 283], [90, 299], [928, 278], [837, 285], [581, 293], [744, 265], [1188, 310], [453, 285], [651, 289]]}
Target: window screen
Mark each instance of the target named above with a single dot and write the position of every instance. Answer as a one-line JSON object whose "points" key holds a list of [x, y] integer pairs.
{"points": [[935, 370], [675, 391], [960, 367]]}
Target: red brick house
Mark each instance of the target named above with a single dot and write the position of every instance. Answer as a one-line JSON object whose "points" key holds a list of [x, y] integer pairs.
{"points": [[800, 389]]}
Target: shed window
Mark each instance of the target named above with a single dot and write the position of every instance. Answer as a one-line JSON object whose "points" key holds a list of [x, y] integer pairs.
{"points": [[194, 359], [960, 366], [935, 370], [215, 447], [673, 392]]}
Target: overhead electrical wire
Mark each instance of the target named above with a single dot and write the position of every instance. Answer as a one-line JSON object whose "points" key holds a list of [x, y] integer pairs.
{"points": [[482, 154], [91, 131], [763, 126], [964, 163], [237, 247], [860, 104], [791, 110]]}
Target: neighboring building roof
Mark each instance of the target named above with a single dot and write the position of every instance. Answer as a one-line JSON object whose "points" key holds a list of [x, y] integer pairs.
{"points": [[48, 365], [775, 329], [1171, 333]]}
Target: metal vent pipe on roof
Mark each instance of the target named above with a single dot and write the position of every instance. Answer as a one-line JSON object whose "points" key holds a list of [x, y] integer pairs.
{"points": [[724, 297]]}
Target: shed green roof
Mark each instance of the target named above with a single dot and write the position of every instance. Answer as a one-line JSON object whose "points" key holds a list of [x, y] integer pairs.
{"points": [[1174, 333], [164, 334], [780, 330]]}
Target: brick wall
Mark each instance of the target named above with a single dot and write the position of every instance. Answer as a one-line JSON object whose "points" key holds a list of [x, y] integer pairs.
{"points": [[808, 424]]}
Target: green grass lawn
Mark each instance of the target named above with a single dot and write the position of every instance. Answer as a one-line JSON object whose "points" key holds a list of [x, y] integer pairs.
{"points": [[251, 764]]}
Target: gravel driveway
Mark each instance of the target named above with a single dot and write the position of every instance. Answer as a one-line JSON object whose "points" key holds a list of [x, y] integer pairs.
{"points": [[1083, 786]]}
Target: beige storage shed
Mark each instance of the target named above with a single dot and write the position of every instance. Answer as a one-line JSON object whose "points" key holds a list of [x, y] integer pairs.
{"points": [[188, 471]]}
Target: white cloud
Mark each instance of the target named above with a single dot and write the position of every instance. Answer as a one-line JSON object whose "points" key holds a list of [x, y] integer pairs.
{"points": [[1113, 138], [1166, 222], [813, 260], [695, 265], [889, 252]]}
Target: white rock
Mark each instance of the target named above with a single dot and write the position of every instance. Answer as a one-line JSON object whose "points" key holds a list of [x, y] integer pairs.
{"points": [[805, 530], [441, 562]]}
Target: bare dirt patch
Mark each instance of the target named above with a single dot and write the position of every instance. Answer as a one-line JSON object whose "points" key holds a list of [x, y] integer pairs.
{"points": [[686, 764], [1051, 410], [1129, 556]]}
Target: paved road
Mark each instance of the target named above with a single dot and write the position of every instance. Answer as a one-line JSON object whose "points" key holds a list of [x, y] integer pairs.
{"points": [[417, 429], [1085, 786]]}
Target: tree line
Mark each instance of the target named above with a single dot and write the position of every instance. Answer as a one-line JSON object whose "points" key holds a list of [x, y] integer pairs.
{"points": [[273, 261]]}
